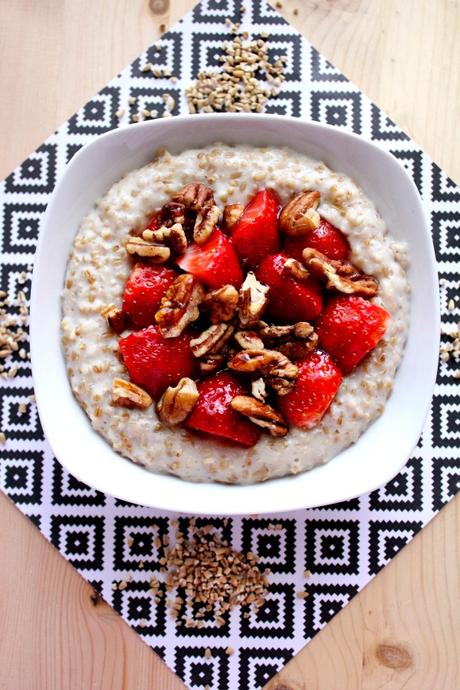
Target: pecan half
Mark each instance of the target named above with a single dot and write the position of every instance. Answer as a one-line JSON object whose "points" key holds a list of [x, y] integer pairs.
{"points": [[179, 306], [302, 329], [295, 269], [174, 236], [232, 213], [212, 340], [210, 363], [261, 414], [177, 402], [296, 350], [206, 220], [221, 303], [280, 373], [253, 300], [156, 252], [116, 318], [127, 394], [300, 216], [194, 195], [340, 275], [249, 340], [259, 390]]}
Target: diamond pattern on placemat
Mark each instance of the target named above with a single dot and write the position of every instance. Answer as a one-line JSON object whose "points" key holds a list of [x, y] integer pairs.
{"points": [[111, 541]]}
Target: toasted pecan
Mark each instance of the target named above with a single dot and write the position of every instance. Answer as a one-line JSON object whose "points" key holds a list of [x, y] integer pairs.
{"points": [[221, 303], [299, 216], [179, 305], [212, 340], [178, 401], [194, 195], [340, 275], [253, 300], [261, 414], [127, 394]]}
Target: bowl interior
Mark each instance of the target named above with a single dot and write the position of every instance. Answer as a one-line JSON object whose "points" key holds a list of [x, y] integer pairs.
{"points": [[358, 469]]}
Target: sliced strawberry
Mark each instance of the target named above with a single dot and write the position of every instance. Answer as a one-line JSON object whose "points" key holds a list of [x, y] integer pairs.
{"points": [[143, 292], [315, 388], [349, 328], [255, 235], [290, 299], [214, 263], [212, 412], [326, 239], [154, 362]]}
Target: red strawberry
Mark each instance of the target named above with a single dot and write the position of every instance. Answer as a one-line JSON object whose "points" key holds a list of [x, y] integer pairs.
{"points": [[143, 292], [326, 239], [154, 362], [349, 328], [212, 412], [290, 299], [318, 382], [214, 263], [255, 234]]}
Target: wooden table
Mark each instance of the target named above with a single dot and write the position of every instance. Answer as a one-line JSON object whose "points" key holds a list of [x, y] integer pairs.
{"points": [[403, 630]]}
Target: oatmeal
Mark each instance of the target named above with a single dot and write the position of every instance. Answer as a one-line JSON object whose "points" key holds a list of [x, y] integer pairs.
{"points": [[240, 326]]}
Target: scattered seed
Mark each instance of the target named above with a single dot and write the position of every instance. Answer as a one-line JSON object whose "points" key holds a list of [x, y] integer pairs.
{"points": [[2, 438], [132, 100], [229, 651], [120, 112], [162, 28], [451, 305]]}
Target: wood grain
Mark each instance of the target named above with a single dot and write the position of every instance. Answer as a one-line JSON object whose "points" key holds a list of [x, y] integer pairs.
{"points": [[403, 630]]}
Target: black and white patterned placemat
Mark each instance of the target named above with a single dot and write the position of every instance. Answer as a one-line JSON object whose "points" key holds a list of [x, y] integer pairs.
{"points": [[343, 545]]}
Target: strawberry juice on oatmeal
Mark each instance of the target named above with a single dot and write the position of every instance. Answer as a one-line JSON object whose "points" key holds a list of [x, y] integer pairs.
{"points": [[233, 314]]}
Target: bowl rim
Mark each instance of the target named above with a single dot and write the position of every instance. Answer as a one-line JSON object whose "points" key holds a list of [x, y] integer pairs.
{"points": [[198, 499]]}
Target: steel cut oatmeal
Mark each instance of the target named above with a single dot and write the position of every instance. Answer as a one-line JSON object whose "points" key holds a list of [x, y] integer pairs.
{"points": [[233, 314]]}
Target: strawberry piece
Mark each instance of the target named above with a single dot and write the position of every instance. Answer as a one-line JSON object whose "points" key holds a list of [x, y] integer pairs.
{"points": [[154, 362], [214, 263], [315, 388], [349, 328], [327, 239], [143, 292], [255, 235], [212, 412], [290, 299]]}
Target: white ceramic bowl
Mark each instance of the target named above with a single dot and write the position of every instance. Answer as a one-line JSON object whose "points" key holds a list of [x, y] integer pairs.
{"points": [[380, 452]]}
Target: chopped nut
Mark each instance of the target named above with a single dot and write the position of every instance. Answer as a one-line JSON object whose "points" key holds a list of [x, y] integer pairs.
{"points": [[300, 216], [295, 269], [194, 196], [205, 222], [177, 402], [222, 303], [249, 340], [279, 371], [259, 390], [174, 236], [302, 329], [212, 340], [156, 252], [179, 306], [261, 414], [340, 275], [232, 213], [115, 318], [253, 300], [296, 350], [127, 394], [210, 363]]}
